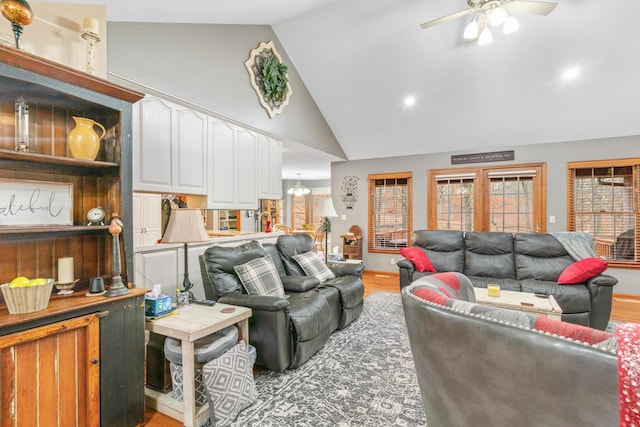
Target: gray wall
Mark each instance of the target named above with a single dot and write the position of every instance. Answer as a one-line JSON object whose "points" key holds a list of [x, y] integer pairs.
{"points": [[555, 156], [204, 65]]}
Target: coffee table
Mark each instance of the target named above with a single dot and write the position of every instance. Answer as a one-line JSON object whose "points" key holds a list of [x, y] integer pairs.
{"points": [[521, 301]]}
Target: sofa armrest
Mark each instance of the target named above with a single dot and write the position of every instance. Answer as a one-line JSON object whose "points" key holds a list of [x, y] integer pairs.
{"points": [[347, 269], [407, 268], [255, 302], [601, 291], [602, 280], [299, 283]]}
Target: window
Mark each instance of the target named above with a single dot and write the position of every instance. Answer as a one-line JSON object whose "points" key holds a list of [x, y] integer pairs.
{"points": [[603, 201], [494, 198], [315, 203], [390, 207], [299, 212]]}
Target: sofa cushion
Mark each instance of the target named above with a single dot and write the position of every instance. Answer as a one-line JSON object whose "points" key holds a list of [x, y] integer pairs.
{"points": [[539, 257], [489, 254], [418, 257], [582, 270], [445, 248], [290, 245], [312, 265], [260, 277], [220, 261], [571, 298]]}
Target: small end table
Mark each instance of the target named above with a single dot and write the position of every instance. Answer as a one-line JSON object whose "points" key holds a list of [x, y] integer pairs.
{"points": [[188, 324]]}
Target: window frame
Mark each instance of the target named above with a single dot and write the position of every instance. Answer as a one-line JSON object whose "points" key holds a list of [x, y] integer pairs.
{"points": [[481, 176], [634, 163], [371, 211]]}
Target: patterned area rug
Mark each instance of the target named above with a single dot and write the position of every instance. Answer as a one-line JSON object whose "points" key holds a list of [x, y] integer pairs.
{"points": [[363, 376]]}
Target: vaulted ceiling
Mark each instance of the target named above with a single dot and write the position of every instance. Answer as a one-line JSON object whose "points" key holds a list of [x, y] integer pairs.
{"points": [[361, 59]]}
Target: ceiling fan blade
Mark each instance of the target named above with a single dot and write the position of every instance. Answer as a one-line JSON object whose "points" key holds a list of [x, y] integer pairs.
{"points": [[533, 7], [447, 18]]}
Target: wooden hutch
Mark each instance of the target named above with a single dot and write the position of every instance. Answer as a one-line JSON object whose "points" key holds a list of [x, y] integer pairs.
{"points": [[82, 358]]}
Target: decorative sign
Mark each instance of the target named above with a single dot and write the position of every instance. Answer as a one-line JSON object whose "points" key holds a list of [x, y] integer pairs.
{"points": [[496, 156], [25, 202]]}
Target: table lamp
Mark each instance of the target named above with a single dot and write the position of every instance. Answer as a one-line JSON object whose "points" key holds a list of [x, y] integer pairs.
{"points": [[185, 226], [325, 209]]}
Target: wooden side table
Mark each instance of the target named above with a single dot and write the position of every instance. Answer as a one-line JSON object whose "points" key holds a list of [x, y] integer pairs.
{"points": [[521, 301], [189, 324]]}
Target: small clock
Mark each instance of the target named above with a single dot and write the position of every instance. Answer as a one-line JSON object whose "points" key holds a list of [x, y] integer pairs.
{"points": [[96, 216]]}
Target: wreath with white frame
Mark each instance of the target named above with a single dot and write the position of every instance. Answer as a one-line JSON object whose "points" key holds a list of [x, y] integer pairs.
{"points": [[269, 78]]}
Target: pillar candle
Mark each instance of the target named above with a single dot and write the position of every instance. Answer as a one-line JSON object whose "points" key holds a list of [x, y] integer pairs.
{"points": [[65, 270]]}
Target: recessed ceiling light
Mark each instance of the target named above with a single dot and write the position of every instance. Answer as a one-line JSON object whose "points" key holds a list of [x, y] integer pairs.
{"points": [[571, 73], [409, 101]]}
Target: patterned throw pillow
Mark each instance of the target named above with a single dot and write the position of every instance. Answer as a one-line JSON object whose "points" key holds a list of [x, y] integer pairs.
{"points": [[230, 385], [260, 277], [312, 265]]}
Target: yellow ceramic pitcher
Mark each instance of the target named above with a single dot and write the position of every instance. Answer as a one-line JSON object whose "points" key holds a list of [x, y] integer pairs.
{"points": [[84, 142]]}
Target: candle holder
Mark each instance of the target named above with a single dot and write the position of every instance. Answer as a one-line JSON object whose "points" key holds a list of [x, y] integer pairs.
{"points": [[117, 286], [19, 13], [90, 34]]}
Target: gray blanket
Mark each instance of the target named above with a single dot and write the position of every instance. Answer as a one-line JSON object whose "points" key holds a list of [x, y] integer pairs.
{"points": [[578, 244]]}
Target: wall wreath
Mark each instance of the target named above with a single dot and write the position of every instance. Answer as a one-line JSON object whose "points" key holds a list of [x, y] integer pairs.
{"points": [[269, 78]]}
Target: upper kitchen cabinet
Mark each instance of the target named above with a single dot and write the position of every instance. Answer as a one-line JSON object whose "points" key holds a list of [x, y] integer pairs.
{"points": [[232, 167], [269, 168], [170, 147]]}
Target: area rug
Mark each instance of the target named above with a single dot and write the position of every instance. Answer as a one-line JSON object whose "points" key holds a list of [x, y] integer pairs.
{"points": [[363, 376]]}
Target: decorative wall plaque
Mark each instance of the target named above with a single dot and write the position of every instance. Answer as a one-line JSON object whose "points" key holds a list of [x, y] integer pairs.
{"points": [[24, 202], [269, 78]]}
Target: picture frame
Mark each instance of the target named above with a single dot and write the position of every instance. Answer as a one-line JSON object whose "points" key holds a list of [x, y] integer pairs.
{"points": [[35, 203]]}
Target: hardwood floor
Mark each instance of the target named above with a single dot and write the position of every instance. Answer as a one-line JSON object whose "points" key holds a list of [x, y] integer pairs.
{"points": [[626, 308]]}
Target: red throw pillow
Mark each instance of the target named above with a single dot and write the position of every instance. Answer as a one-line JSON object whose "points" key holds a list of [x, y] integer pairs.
{"points": [[582, 270], [418, 258]]}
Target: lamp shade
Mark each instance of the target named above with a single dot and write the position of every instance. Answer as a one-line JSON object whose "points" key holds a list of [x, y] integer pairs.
{"points": [[325, 208], [185, 226]]}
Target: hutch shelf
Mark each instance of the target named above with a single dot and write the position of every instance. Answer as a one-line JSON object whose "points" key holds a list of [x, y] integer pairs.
{"points": [[108, 332]]}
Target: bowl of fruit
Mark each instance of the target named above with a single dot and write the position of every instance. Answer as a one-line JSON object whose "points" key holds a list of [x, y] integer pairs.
{"points": [[24, 295]]}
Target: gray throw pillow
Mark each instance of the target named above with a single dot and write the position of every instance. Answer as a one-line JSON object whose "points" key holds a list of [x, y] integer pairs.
{"points": [[260, 277], [229, 383], [312, 265]]}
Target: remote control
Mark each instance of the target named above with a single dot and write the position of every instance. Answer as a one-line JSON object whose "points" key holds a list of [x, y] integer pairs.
{"points": [[204, 302]]}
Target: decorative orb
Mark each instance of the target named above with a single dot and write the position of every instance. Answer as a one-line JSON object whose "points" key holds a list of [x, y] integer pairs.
{"points": [[17, 11]]}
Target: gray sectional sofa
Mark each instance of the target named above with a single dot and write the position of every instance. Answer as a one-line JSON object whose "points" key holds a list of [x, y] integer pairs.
{"points": [[525, 262]]}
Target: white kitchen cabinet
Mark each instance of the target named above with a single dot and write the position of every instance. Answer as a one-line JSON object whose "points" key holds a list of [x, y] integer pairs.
{"points": [[170, 147], [159, 267], [147, 219], [232, 167], [269, 168]]}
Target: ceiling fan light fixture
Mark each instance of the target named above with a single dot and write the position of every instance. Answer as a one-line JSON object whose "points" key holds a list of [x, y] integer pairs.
{"points": [[511, 25], [497, 16], [485, 37], [471, 30]]}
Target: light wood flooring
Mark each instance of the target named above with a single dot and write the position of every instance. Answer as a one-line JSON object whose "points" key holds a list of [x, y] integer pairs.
{"points": [[626, 308]]}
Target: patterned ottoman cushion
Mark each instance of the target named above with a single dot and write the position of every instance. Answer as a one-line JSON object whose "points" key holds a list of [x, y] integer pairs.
{"points": [[229, 383]]}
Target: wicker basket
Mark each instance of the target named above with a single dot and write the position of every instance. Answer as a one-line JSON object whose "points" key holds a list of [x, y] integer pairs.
{"points": [[27, 299]]}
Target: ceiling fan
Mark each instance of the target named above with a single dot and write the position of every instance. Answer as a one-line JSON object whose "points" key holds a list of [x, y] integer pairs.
{"points": [[493, 13]]}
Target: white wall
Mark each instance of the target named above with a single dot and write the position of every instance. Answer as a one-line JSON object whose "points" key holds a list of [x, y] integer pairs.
{"points": [[555, 156], [204, 65]]}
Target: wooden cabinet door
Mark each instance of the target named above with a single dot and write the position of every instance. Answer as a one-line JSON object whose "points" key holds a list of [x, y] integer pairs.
{"points": [[269, 168], [246, 170], [152, 148], [50, 376], [190, 143], [221, 165]]}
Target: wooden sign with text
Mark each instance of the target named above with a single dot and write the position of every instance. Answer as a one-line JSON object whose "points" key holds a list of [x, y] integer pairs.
{"points": [[496, 156], [32, 203]]}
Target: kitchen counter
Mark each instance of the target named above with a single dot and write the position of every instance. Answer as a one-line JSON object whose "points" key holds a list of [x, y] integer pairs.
{"points": [[217, 237]]}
